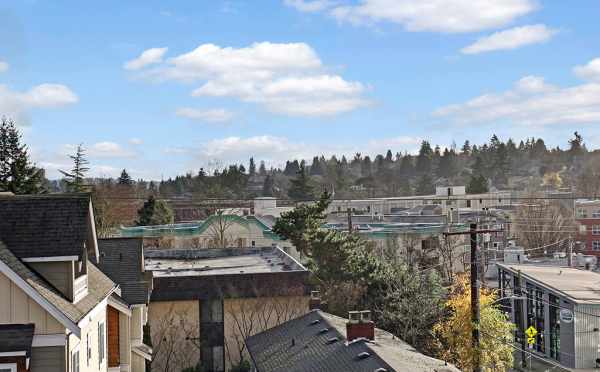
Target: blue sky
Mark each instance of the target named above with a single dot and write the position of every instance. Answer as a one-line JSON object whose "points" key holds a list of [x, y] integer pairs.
{"points": [[163, 87]]}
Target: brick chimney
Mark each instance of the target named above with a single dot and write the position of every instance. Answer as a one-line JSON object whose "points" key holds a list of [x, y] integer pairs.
{"points": [[315, 300], [359, 325]]}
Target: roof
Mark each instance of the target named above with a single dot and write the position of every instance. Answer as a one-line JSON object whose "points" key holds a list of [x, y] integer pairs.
{"points": [[46, 225], [312, 349], [122, 260], [211, 262], [16, 337], [582, 286], [224, 273], [99, 287]]}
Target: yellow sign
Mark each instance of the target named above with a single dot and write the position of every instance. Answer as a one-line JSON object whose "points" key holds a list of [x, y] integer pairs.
{"points": [[531, 340], [531, 332]]}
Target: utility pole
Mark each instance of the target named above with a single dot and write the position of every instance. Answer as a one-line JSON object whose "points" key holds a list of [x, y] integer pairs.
{"points": [[349, 211], [521, 327], [474, 298], [475, 314], [570, 254]]}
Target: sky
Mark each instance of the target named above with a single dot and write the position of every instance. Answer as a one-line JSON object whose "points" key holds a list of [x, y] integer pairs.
{"points": [[166, 87]]}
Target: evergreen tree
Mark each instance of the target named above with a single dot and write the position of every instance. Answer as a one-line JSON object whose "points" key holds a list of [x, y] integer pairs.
{"points": [[424, 185], [424, 158], [300, 188], [262, 170], [407, 168], [267, 189], [17, 174], [154, 212], [389, 157], [76, 177], [125, 179], [466, 148], [252, 167], [477, 185]]}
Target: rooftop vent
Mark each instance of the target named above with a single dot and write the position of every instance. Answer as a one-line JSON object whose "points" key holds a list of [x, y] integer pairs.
{"points": [[314, 322], [323, 331], [363, 355], [332, 340], [353, 316], [380, 370], [359, 325]]}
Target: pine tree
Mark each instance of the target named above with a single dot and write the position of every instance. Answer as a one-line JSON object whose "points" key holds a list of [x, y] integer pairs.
{"points": [[424, 185], [76, 177], [300, 188], [424, 158], [17, 174], [125, 179], [252, 167], [267, 189], [154, 212], [262, 169], [477, 185]]}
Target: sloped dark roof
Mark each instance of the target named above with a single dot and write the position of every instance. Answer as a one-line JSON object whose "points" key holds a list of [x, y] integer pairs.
{"points": [[310, 350], [99, 286], [46, 225], [16, 337], [122, 259]]}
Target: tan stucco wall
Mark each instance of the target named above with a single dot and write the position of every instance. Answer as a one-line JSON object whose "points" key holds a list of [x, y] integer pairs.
{"points": [[98, 315], [172, 321], [17, 307]]}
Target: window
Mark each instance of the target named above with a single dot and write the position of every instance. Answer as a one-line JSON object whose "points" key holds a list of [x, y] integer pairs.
{"points": [[581, 213], [596, 245], [596, 213], [595, 229], [101, 343], [468, 204], [8, 367], [554, 327], [75, 361], [89, 348]]}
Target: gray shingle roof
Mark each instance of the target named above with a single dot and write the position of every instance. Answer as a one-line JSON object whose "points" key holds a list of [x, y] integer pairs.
{"points": [[311, 350], [16, 337], [99, 286], [44, 226], [122, 259]]}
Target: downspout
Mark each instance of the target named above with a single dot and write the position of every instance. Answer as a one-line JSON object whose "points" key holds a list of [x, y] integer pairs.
{"points": [[67, 351]]}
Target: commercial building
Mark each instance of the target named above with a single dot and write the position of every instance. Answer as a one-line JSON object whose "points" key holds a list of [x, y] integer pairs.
{"points": [[562, 304], [206, 302], [59, 311], [587, 215]]}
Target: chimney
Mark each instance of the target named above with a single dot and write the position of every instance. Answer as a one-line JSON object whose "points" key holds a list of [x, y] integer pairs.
{"points": [[359, 325], [315, 300]]}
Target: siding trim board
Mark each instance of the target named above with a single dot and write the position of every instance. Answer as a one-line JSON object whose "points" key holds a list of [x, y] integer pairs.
{"points": [[50, 259], [49, 307]]}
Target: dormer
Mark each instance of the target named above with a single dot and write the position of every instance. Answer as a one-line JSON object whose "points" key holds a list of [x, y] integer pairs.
{"points": [[54, 235]]}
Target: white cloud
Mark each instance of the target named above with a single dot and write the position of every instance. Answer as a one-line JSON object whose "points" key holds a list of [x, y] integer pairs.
{"points": [[136, 141], [16, 105], [589, 71], [284, 78], [309, 6], [211, 116], [447, 16], [105, 149], [3, 66], [531, 101], [148, 57], [511, 39]]}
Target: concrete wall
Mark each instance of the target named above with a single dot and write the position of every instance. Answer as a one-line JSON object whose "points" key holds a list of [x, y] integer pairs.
{"points": [[48, 359], [60, 274], [89, 337], [17, 307]]}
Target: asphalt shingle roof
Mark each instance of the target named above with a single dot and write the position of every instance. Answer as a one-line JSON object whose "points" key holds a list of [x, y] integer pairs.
{"points": [[301, 345], [122, 259], [16, 337], [99, 286], [44, 226]]}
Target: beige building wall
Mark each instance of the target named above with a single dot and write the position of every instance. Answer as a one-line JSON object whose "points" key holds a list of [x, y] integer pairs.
{"points": [[138, 363], [17, 307], [174, 329], [60, 274], [174, 323], [89, 338]]}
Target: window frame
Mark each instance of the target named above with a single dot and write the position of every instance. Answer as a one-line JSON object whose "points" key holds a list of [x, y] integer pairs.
{"points": [[101, 343], [75, 357], [12, 367], [594, 243]]}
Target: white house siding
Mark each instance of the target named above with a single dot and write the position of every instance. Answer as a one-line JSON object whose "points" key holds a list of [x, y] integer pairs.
{"points": [[96, 316]]}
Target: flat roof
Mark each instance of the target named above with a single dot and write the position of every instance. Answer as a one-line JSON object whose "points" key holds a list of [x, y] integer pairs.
{"points": [[211, 262], [582, 286]]}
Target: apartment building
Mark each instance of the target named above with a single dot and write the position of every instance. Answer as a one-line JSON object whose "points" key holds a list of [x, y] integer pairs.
{"points": [[58, 308], [587, 215], [206, 302]]}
